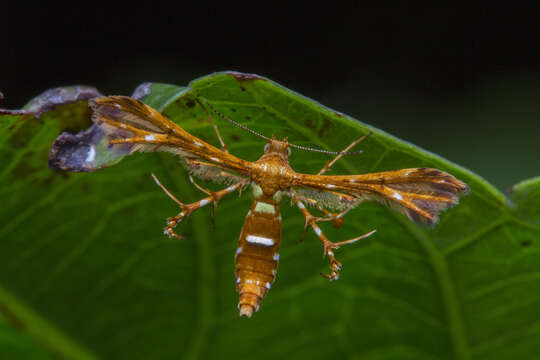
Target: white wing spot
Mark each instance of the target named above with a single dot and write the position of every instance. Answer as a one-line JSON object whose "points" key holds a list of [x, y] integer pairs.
{"points": [[265, 167], [239, 250], [398, 196], [330, 186], [352, 181], [267, 285], [215, 159], [203, 202], [238, 280], [301, 206], [91, 154], [197, 143], [231, 188], [149, 137], [260, 240], [317, 231], [276, 256]]}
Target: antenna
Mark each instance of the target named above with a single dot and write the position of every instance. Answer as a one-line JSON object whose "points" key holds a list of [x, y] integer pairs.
{"points": [[232, 121], [290, 145], [340, 153], [325, 151]]}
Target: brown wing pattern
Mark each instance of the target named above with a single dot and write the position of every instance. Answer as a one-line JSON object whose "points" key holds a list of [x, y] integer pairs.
{"points": [[130, 122], [419, 193]]}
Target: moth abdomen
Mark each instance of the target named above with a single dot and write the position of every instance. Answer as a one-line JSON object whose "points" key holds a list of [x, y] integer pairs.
{"points": [[257, 255]]}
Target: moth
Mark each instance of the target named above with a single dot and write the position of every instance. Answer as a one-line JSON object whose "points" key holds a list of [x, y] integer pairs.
{"points": [[419, 193]]}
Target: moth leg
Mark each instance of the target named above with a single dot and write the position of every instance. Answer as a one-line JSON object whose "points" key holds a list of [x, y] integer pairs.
{"points": [[328, 246], [211, 194], [211, 119], [187, 209], [335, 218], [329, 164]]}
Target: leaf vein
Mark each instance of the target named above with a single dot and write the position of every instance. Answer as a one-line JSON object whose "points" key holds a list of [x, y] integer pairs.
{"points": [[460, 244], [448, 293]]}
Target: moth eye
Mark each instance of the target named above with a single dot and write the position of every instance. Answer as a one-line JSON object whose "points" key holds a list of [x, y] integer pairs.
{"points": [[288, 151], [266, 147]]}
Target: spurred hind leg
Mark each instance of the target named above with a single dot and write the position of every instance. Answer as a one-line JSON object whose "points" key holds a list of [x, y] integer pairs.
{"points": [[328, 246]]}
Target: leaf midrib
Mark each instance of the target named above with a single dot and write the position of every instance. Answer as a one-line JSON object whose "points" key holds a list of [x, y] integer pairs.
{"points": [[449, 297]]}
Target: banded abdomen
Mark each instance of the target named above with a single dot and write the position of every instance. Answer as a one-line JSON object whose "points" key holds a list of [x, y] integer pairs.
{"points": [[257, 255]]}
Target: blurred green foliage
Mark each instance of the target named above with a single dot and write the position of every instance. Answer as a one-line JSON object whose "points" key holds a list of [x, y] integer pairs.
{"points": [[492, 127]]}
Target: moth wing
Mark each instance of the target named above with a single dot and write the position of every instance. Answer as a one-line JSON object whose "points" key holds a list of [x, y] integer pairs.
{"points": [[130, 123], [419, 193], [331, 200]]}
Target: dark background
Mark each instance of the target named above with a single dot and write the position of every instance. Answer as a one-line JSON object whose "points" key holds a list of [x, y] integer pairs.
{"points": [[463, 82]]}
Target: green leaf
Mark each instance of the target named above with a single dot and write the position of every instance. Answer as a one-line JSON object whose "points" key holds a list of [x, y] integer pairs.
{"points": [[13, 345], [86, 251], [28, 342]]}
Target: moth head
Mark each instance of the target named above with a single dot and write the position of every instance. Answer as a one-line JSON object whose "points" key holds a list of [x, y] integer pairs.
{"points": [[278, 147]]}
